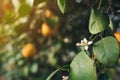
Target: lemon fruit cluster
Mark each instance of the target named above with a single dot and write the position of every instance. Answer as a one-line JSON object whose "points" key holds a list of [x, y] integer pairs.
{"points": [[46, 29]]}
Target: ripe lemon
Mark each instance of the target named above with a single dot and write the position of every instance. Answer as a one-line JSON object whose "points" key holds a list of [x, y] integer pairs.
{"points": [[49, 13], [29, 50], [46, 30], [117, 35]]}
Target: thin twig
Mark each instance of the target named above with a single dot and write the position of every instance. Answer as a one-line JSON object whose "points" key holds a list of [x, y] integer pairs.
{"points": [[110, 8], [99, 4], [94, 37]]}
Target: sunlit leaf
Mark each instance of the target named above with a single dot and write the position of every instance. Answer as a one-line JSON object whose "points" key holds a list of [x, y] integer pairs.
{"points": [[26, 70], [106, 51], [65, 5], [9, 17], [24, 9], [34, 68], [98, 22], [82, 68], [20, 62]]}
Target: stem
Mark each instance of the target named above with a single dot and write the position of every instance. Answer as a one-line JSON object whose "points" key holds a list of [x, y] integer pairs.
{"points": [[65, 70], [101, 35], [95, 37], [110, 8], [99, 4], [87, 53], [91, 37]]}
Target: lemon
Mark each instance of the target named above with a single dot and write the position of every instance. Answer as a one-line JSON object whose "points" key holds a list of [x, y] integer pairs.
{"points": [[46, 30], [117, 35], [29, 50], [49, 13]]}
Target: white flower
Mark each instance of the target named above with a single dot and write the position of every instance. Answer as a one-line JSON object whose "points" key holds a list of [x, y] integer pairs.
{"points": [[65, 77], [84, 43]]}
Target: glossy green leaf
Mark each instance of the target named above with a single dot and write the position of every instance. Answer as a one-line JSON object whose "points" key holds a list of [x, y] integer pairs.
{"points": [[106, 50], [98, 22], [82, 68], [53, 73], [65, 5]]}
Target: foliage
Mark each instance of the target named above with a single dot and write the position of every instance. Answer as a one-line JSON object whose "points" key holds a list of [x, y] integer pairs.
{"points": [[104, 50], [82, 67], [64, 6], [98, 22]]}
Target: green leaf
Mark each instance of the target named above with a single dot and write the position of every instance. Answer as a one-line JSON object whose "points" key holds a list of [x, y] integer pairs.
{"points": [[24, 9], [82, 68], [9, 17], [20, 62], [53, 73], [65, 5], [34, 68], [98, 22], [26, 70], [106, 51]]}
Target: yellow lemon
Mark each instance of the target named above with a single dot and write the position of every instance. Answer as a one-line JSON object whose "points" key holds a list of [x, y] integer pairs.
{"points": [[29, 50], [49, 13], [46, 30], [117, 35]]}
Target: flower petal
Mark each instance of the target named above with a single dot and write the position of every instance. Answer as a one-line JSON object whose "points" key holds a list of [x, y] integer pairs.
{"points": [[78, 44], [82, 41], [85, 40], [90, 42], [86, 47], [65, 77]]}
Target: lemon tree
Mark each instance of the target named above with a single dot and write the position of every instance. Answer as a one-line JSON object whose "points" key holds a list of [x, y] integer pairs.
{"points": [[101, 50], [39, 36]]}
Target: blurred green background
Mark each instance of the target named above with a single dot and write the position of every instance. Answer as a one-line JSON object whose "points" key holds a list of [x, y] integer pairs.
{"points": [[36, 38]]}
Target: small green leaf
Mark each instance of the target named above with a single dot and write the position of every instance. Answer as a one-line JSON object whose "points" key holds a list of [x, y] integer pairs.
{"points": [[65, 5], [9, 17], [34, 68], [26, 70], [106, 51], [53, 73], [20, 62], [24, 9], [98, 22], [82, 68]]}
